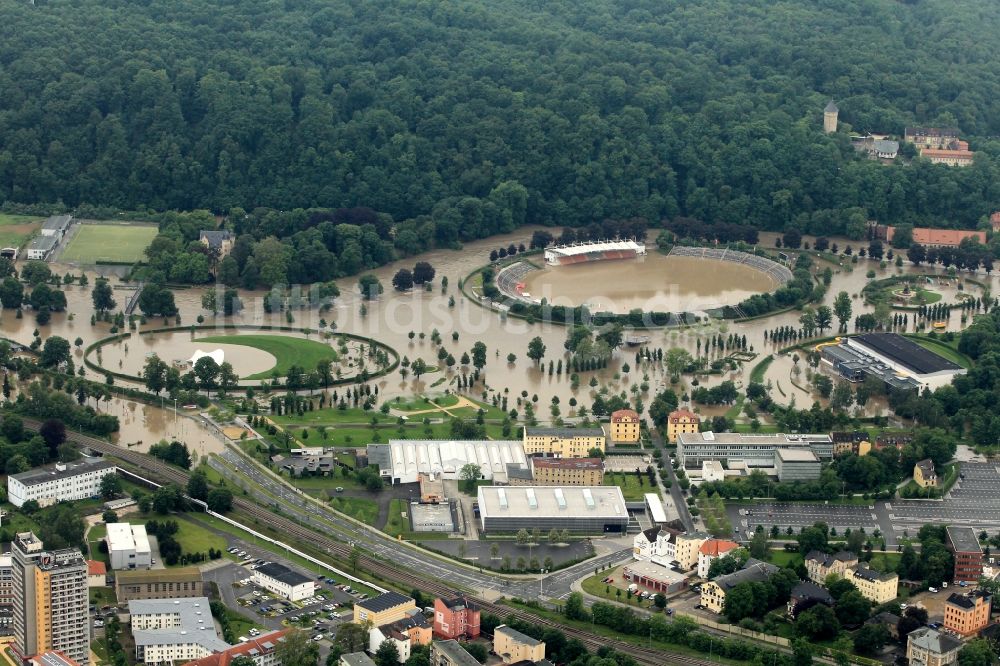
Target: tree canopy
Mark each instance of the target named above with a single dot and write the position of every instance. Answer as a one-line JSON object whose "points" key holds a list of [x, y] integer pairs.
{"points": [[343, 135]]}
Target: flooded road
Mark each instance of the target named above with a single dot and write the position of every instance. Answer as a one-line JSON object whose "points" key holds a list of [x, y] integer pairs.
{"points": [[392, 316]]}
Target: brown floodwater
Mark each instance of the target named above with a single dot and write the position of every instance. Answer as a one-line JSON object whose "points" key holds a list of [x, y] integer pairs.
{"points": [[393, 315], [652, 283]]}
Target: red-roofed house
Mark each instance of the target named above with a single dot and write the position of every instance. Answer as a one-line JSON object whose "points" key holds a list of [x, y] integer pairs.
{"points": [[625, 426], [935, 237], [681, 421], [712, 550], [97, 573], [260, 649], [454, 618]]}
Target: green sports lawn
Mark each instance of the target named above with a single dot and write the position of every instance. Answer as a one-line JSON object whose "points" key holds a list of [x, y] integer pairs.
{"points": [[287, 351], [123, 243]]}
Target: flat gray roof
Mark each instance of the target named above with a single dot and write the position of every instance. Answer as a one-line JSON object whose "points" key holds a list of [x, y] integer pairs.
{"points": [[534, 501], [797, 455], [522, 638], [46, 473], [740, 438], [964, 539], [356, 659], [57, 223], [195, 624], [43, 243]]}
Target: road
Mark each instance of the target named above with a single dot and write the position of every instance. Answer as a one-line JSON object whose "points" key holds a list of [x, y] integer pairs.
{"points": [[675, 490], [271, 491]]}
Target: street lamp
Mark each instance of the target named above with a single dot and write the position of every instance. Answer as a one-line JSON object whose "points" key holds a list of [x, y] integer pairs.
{"points": [[541, 581]]}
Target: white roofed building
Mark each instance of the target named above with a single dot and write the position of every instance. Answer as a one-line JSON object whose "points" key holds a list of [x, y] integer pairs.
{"points": [[579, 509], [128, 546], [404, 460]]}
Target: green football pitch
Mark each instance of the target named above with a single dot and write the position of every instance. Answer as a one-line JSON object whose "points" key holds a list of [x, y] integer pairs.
{"points": [[120, 243]]}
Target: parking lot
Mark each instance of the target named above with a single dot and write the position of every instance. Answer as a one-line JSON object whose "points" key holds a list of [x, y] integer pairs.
{"points": [[745, 518], [626, 463], [321, 614], [974, 501]]}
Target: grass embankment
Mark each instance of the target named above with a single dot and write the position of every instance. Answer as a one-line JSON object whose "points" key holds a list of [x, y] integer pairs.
{"points": [[421, 403], [363, 510], [306, 565], [942, 348], [16, 229], [287, 351]]}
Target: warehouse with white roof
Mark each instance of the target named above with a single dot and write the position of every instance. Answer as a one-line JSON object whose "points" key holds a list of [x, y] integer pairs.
{"points": [[403, 460], [579, 509]]}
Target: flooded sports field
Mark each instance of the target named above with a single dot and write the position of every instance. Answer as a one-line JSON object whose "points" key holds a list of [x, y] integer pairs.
{"points": [[653, 283]]}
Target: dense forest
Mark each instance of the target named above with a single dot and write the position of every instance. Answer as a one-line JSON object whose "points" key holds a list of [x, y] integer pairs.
{"points": [[453, 121]]}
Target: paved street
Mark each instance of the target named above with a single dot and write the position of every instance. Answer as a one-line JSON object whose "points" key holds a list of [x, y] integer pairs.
{"points": [[318, 516]]}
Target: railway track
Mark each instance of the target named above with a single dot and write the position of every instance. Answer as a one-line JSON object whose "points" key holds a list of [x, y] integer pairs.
{"points": [[381, 569]]}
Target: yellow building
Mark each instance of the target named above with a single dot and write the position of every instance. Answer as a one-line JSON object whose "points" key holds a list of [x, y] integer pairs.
{"points": [[830, 114], [563, 442], [873, 585], [687, 549], [924, 474], [563, 472], [50, 599], [624, 426], [383, 609], [713, 593], [819, 565], [513, 647], [681, 421]]}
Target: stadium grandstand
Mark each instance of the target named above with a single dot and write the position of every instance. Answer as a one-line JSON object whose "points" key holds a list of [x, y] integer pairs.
{"points": [[593, 251], [774, 270], [510, 280]]}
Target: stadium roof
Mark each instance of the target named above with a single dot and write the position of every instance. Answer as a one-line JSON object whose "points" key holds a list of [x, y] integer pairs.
{"points": [[57, 223], [595, 246], [533, 501], [906, 352]]}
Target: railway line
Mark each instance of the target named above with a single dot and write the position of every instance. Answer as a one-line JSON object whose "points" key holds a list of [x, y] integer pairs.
{"points": [[381, 569]]}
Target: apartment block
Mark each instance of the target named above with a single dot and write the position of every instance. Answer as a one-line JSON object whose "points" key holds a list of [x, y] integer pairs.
{"points": [[50, 599]]}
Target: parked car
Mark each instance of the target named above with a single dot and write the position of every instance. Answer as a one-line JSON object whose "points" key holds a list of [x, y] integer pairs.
{"points": [[932, 590]]}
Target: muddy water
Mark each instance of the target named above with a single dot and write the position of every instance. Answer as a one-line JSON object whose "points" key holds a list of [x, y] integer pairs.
{"points": [[393, 315], [653, 283], [176, 348]]}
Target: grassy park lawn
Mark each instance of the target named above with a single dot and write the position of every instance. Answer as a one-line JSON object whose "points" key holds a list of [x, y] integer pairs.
{"points": [[421, 403], [333, 415], [15, 229], [123, 243], [287, 351], [196, 539], [102, 596], [629, 483], [94, 538], [396, 524], [365, 510]]}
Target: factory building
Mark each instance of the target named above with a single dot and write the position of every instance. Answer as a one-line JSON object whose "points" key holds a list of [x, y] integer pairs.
{"points": [[579, 509]]}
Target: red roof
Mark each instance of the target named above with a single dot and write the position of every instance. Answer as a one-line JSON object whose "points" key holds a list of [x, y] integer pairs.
{"points": [[96, 568], [681, 413], [716, 547], [945, 152], [243, 649], [947, 237], [624, 415]]}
